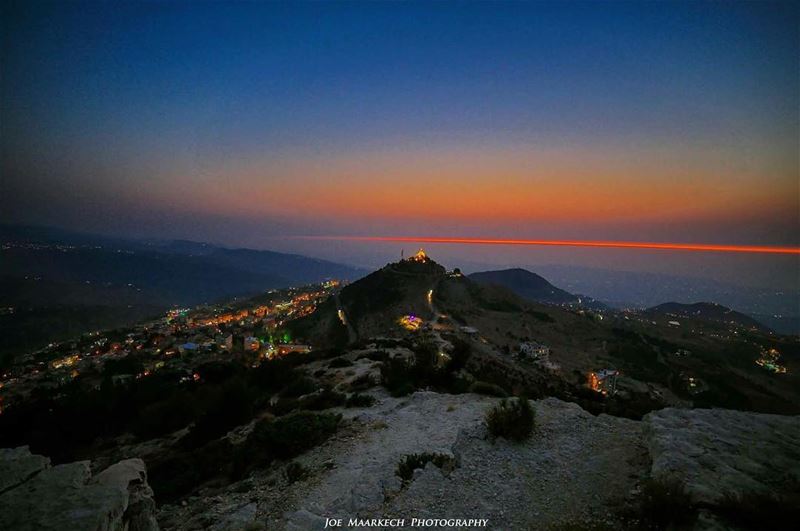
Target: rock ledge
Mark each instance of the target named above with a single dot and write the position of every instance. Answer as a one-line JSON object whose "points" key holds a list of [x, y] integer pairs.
{"points": [[37, 496]]}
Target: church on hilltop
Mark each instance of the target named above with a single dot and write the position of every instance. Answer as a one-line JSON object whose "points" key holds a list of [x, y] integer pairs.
{"points": [[420, 256]]}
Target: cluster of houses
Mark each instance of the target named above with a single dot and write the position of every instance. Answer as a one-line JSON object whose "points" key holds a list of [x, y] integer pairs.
{"points": [[769, 359], [180, 341], [602, 381]]}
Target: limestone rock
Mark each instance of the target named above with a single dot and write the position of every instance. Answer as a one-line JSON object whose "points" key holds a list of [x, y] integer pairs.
{"points": [[65, 497], [575, 468], [240, 519], [131, 476], [18, 465], [718, 452], [304, 520]]}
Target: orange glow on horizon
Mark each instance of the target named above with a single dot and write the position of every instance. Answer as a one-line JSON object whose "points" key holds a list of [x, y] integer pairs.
{"points": [[573, 243], [489, 184]]}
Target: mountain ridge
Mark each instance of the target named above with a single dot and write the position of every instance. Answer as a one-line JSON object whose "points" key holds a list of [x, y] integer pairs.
{"points": [[526, 284], [534, 287], [707, 311], [95, 281]]}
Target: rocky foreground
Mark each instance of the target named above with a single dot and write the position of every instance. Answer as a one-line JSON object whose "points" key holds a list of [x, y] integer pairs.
{"points": [[37, 496], [576, 468]]}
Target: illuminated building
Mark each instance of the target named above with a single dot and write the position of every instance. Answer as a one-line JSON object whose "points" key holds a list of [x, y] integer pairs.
{"points": [[187, 347], [469, 330], [67, 361], [534, 350], [284, 349], [410, 322], [251, 343], [694, 385], [225, 342], [604, 382], [420, 256]]}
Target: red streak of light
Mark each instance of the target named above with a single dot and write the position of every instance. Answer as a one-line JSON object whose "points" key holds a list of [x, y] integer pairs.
{"points": [[572, 243]]}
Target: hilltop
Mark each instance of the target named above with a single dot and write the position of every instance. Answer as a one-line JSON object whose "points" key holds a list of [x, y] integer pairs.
{"points": [[374, 304], [526, 284], [417, 288]]}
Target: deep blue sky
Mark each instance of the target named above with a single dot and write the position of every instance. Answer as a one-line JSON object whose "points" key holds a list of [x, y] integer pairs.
{"points": [[294, 74], [242, 122]]}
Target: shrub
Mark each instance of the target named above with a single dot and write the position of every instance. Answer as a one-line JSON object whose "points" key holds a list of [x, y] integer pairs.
{"points": [[284, 406], [338, 363], [411, 462], [293, 434], [761, 511], [174, 477], [228, 406], [461, 353], [397, 375], [358, 400], [295, 472], [273, 375], [282, 438], [455, 385], [512, 419], [488, 389], [362, 383], [182, 472], [218, 372], [325, 399], [299, 386], [666, 503], [166, 416]]}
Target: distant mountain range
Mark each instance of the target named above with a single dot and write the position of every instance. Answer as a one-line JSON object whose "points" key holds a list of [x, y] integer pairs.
{"points": [[178, 272], [706, 311], [777, 308], [532, 287], [82, 277]]}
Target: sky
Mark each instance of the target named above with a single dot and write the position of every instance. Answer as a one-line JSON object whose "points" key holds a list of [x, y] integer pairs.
{"points": [[248, 124]]}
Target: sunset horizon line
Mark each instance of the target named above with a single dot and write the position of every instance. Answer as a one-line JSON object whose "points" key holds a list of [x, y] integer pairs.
{"points": [[663, 246]]}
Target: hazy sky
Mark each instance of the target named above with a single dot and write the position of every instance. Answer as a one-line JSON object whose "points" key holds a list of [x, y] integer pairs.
{"points": [[240, 123]]}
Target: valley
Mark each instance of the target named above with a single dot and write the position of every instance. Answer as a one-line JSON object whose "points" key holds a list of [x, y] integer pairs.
{"points": [[297, 405]]}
